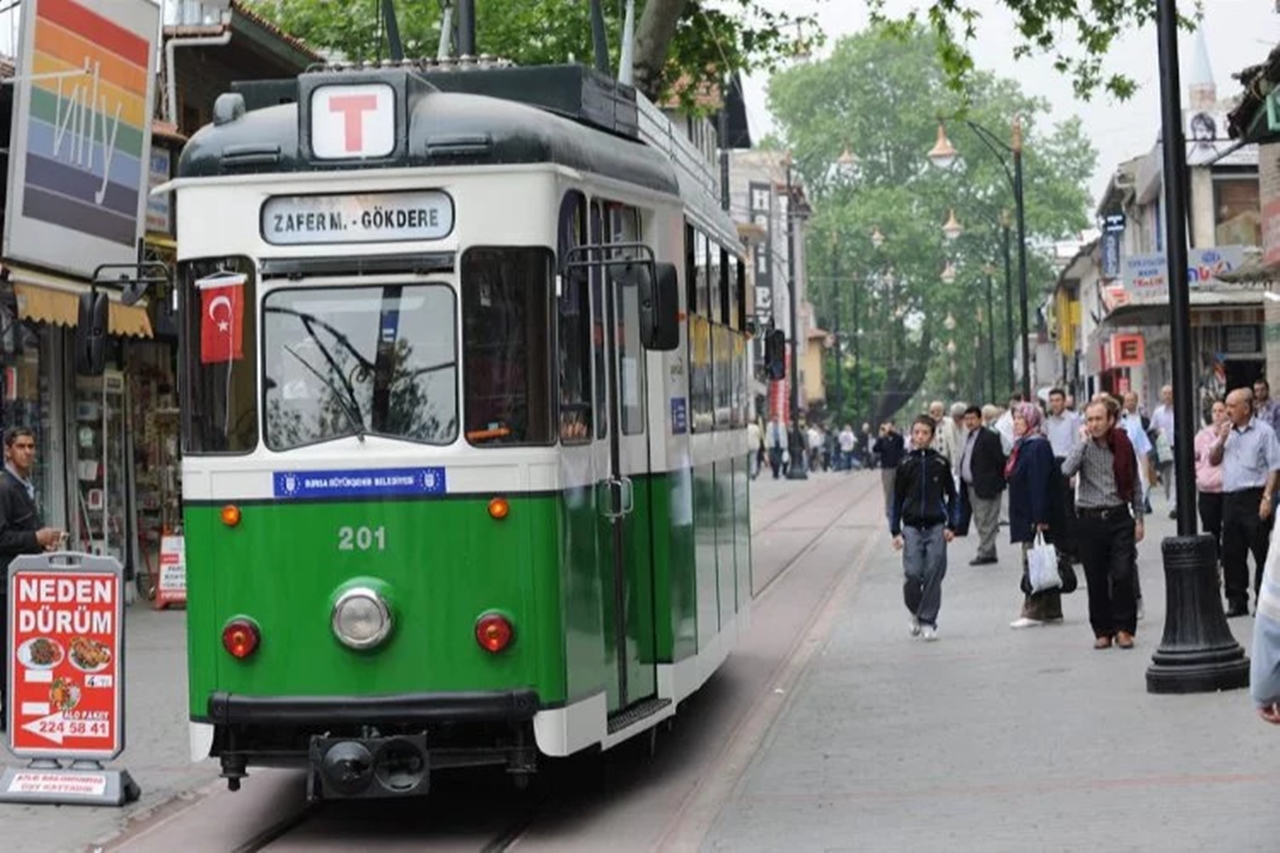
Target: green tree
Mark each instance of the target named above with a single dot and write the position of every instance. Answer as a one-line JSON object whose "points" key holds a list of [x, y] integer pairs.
{"points": [[1078, 35], [690, 42], [880, 98]]}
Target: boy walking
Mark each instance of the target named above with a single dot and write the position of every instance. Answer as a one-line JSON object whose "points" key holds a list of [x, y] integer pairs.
{"points": [[922, 519]]}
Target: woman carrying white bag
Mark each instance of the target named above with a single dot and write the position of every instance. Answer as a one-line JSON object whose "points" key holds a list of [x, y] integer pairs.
{"points": [[1035, 512]]}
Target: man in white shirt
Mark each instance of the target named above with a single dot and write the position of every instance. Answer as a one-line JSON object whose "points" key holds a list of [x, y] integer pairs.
{"points": [[847, 442], [1061, 427], [1004, 424], [1131, 423], [1162, 422]]}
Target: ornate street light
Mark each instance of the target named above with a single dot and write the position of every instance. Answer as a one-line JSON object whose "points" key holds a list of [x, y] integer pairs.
{"points": [[943, 153], [952, 229], [847, 160], [949, 324], [948, 273], [877, 239]]}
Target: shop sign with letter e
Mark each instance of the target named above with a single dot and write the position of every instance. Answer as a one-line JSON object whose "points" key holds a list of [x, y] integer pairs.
{"points": [[221, 317]]}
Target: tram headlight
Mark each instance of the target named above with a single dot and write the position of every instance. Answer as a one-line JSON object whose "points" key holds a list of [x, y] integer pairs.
{"points": [[361, 618]]}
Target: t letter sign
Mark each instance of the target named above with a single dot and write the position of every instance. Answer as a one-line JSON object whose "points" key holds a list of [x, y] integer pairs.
{"points": [[350, 122]]}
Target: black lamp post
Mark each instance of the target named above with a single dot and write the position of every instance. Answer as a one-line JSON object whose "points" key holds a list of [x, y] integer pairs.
{"points": [[1008, 295], [835, 331], [943, 154], [796, 470], [1197, 651], [989, 271]]}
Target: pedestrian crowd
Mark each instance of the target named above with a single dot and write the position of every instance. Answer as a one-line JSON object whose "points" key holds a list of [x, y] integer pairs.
{"points": [[1078, 486]]}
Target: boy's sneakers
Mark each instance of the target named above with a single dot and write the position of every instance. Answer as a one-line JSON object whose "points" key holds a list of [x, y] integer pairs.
{"points": [[914, 627], [928, 632]]}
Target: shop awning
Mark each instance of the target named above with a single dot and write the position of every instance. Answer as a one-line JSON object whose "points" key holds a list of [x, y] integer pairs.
{"points": [[1157, 313], [45, 298]]}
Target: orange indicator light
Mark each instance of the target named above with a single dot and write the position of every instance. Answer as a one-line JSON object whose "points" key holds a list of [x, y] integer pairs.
{"points": [[231, 515], [499, 509]]}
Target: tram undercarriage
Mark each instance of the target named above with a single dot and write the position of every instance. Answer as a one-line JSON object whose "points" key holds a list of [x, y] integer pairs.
{"points": [[375, 747]]}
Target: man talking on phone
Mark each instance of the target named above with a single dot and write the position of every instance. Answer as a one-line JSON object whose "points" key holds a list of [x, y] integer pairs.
{"points": [[21, 531]]}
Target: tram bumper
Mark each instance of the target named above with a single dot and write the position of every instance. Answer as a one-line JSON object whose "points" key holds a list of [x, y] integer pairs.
{"points": [[490, 706]]}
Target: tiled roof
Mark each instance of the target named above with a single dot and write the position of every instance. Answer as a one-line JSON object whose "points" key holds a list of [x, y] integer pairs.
{"points": [[245, 11]]}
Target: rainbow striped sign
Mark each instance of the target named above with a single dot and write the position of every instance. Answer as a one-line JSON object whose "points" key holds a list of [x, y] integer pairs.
{"points": [[81, 133]]}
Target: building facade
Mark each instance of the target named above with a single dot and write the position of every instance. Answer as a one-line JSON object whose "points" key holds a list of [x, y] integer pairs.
{"points": [[108, 461]]}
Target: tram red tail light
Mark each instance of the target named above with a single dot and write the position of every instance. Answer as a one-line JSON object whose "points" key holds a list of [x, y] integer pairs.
{"points": [[494, 632], [499, 509], [231, 515], [241, 637]]}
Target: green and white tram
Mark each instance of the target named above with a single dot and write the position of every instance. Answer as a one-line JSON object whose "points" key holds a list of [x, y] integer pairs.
{"points": [[464, 382]]}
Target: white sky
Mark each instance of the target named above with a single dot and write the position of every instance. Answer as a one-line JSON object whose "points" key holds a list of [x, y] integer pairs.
{"points": [[1239, 33]]}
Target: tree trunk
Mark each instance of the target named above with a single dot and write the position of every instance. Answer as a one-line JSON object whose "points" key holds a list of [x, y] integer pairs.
{"points": [[654, 31]]}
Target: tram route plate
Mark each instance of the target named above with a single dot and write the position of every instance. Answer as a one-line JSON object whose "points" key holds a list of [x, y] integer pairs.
{"points": [[377, 482]]}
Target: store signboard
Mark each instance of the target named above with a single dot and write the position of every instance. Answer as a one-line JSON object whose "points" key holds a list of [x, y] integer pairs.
{"points": [[158, 219], [1269, 196], [1146, 277], [79, 152], [65, 672], [1127, 350], [171, 587]]}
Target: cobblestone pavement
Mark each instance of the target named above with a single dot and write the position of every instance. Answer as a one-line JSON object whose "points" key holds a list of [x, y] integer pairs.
{"points": [[996, 739]]}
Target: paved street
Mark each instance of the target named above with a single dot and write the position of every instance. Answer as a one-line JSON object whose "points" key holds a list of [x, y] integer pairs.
{"points": [[829, 729], [995, 739]]}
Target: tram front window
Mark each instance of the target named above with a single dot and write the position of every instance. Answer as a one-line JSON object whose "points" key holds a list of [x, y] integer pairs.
{"points": [[368, 360]]}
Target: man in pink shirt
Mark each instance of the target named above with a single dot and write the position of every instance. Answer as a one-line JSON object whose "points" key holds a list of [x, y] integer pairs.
{"points": [[1209, 476]]}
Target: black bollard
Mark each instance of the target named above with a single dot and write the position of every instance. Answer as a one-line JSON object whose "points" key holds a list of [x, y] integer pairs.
{"points": [[1198, 652]]}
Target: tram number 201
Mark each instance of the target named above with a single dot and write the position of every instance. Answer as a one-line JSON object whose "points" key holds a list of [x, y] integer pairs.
{"points": [[362, 538]]}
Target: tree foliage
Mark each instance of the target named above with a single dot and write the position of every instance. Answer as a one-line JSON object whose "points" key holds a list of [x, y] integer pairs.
{"points": [[1078, 35], [881, 98], [691, 43]]}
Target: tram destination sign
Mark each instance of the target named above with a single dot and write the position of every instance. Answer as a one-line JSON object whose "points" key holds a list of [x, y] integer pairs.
{"points": [[65, 671], [294, 220]]}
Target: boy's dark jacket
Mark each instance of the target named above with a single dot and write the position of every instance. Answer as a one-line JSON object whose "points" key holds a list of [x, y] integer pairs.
{"points": [[924, 493]]}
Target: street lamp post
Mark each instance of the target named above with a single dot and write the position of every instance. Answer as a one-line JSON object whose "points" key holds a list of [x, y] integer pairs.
{"points": [[1008, 293], [1198, 652], [835, 332], [943, 154], [989, 271], [796, 470]]}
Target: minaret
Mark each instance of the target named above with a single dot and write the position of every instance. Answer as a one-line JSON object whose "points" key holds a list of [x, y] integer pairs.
{"points": [[1202, 92]]}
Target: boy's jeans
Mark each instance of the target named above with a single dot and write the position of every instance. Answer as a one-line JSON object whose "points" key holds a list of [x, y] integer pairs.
{"points": [[924, 564]]}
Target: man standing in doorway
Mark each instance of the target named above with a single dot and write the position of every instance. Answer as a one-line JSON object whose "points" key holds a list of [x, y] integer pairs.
{"points": [[981, 482], [20, 528], [1249, 453]]}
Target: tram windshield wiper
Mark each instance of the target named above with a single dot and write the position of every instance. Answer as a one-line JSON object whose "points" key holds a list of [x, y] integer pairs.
{"points": [[350, 405]]}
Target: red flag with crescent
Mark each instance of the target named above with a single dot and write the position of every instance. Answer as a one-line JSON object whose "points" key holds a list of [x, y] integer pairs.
{"points": [[221, 318]]}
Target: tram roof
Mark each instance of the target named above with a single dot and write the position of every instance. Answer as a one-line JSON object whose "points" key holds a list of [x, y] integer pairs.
{"points": [[443, 128]]}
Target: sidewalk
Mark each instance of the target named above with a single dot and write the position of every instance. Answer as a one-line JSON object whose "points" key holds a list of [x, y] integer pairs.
{"points": [[156, 753], [1001, 739]]}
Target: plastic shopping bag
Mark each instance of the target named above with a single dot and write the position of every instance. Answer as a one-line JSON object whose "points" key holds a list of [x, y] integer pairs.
{"points": [[1042, 566]]}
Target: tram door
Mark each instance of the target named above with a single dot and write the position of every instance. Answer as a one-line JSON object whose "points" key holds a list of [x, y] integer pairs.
{"points": [[626, 504]]}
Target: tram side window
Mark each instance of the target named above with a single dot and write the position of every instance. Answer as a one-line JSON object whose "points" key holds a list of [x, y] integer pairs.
{"points": [[574, 319], [506, 315], [219, 305]]}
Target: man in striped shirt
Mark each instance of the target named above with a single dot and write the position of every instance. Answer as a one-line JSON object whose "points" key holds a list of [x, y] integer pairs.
{"points": [[1109, 505]]}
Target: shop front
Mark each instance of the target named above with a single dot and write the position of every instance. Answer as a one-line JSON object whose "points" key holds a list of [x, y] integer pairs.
{"points": [[107, 446]]}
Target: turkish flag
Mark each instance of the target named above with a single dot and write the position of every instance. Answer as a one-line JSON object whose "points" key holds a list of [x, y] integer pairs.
{"points": [[221, 318]]}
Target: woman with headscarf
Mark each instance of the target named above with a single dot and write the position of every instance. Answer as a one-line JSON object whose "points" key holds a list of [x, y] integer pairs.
{"points": [[1034, 506]]}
